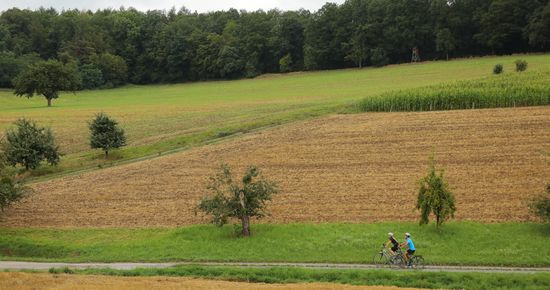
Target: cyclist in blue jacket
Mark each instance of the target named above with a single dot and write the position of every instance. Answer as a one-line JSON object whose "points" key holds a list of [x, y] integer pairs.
{"points": [[410, 248]]}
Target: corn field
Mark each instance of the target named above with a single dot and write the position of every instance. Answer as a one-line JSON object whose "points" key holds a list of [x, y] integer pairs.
{"points": [[508, 90]]}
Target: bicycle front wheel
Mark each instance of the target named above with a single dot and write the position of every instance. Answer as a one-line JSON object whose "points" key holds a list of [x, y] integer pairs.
{"points": [[378, 258], [418, 262]]}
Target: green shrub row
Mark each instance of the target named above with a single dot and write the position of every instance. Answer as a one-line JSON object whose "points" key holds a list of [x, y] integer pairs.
{"points": [[508, 90]]}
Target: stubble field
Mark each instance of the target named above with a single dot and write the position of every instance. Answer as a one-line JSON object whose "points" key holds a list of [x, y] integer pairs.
{"points": [[17, 281], [340, 168]]}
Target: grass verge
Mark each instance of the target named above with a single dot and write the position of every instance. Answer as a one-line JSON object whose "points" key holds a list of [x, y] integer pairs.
{"points": [[459, 243], [434, 280]]}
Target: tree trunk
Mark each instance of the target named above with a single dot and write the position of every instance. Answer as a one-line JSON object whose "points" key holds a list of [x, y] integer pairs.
{"points": [[447, 56], [246, 225], [49, 102]]}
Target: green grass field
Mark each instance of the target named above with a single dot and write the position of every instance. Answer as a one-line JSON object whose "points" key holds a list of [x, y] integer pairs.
{"points": [[458, 244], [434, 280], [161, 118]]}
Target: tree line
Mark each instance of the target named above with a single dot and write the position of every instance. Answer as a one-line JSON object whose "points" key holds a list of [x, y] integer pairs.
{"points": [[113, 47]]}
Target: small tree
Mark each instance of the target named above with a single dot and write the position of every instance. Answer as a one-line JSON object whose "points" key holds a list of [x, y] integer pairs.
{"points": [[105, 134], [540, 206], [435, 197], [29, 145], [47, 78], [243, 200]]}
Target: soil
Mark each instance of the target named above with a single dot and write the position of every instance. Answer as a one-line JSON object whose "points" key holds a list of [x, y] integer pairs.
{"points": [[340, 168], [20, 281]]}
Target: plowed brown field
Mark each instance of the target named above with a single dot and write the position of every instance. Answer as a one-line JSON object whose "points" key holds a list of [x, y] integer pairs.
{"points": [[20, 281], [342, 168]]}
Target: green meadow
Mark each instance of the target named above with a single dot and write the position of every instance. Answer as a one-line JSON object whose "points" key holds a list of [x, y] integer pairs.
{"points": [[458, 243], [164, 118], [431, 280]]}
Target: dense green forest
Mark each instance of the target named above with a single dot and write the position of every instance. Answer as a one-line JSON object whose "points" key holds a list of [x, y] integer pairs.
{"points": [[113, 47]]}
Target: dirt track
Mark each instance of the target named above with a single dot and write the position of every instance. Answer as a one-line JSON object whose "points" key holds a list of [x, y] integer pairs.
{"points": [[17, 281], [353, 168]]}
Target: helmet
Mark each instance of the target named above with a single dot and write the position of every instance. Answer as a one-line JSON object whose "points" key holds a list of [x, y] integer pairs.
{"points": [[407, 234], [390, 234]]}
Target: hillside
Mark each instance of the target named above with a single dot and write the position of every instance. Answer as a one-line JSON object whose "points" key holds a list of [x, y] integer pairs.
{"points": [[340, 168], [161, 118]]}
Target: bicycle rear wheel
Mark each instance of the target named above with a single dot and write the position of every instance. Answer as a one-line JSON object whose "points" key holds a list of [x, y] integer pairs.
{"points": [[396, 262]]}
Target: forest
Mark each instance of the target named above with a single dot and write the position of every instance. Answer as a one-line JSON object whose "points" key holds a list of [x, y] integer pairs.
{"points": [[112, 47]]}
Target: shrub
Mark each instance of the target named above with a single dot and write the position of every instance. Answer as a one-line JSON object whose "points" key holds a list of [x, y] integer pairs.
{"points": [[521, 65], [498, 69], [540, 206], [29, 145], [92, 77], [11, 189]]}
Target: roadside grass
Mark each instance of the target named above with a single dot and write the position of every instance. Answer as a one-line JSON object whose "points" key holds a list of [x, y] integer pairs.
{"points": [[433, 280], [507, 90], [459, 243], [160, 119]]}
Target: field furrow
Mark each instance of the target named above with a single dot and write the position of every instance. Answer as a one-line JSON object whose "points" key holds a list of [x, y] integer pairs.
{"points": [[340, 168]]}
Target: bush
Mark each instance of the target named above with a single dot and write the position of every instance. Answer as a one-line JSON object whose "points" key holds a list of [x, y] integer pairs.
{"points": [[540, 206], [11, 189], [92, 77], [113, 68], [498, 69], [521, 65], [29, 145]]}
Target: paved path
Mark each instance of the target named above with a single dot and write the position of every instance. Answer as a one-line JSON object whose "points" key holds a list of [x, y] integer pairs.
{"points": [[7, 265]]}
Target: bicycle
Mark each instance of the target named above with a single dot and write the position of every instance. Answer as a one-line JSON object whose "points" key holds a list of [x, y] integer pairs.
{"points": [[398, 261]]}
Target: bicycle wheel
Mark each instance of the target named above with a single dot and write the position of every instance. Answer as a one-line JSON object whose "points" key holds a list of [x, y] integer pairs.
{"points": [[379, 258], [418, 262], [396, 262]]}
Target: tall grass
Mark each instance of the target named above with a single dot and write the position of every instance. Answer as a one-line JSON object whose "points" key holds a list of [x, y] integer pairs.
{"points": [[508, 90]]}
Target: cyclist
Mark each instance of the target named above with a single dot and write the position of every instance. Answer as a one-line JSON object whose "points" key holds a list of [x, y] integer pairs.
{"points": [[393, 241], [410, 248]]}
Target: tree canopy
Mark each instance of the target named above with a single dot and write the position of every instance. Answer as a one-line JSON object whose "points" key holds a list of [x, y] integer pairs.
{"points": [[47, 78], [231, 199], [434, 197], [105, 134], [156, 46], [29, 145]]}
